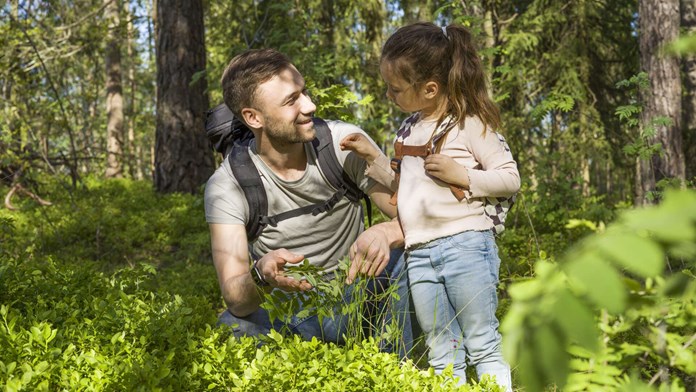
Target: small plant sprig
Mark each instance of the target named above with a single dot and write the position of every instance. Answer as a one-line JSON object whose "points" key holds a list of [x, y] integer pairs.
{"points": [[320, 301], [364, 305]]}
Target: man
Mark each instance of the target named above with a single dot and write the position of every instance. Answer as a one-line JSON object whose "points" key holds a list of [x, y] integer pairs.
{"points": [[265, 91]]}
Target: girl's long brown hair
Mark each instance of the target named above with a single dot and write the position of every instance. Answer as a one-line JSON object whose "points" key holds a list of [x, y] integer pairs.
{"points": [[421, 52]]}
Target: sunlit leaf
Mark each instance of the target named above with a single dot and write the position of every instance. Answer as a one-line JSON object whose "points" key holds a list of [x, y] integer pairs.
{"points": [[576, 320], [599, 281], [639, 255]]}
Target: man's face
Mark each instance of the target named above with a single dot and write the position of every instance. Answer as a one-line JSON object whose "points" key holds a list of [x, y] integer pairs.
{"points": [[285, 107]]}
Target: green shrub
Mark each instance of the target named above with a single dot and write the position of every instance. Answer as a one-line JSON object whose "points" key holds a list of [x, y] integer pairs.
{"points": [[114, 222], [611, 315], [67, 325], [104, 291]]}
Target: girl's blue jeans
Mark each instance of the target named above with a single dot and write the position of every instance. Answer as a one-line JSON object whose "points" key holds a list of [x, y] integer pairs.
{"points": [[333, 329], [453, 285]]}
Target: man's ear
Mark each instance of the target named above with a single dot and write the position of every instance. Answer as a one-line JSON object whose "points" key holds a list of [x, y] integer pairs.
{"points": [[253, 118], [431, 89]]}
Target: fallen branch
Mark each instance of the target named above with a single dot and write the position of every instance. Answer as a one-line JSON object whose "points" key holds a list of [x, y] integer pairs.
{"points": [[19, 188]]}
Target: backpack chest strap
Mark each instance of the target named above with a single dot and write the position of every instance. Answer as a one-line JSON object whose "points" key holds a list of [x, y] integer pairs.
{"points": [[401, 150]]}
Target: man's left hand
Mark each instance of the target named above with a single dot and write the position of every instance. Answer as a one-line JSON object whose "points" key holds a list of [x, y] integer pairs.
{"points": [[369, 254]]}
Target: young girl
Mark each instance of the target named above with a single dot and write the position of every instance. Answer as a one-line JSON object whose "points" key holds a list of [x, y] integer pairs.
{"points": [[452, 159]]}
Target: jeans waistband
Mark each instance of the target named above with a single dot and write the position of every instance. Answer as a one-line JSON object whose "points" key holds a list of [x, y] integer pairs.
{"points": [[439, 240]]}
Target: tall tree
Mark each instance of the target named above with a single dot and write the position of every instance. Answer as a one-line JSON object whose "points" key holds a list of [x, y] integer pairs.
{"points": [[183, 159], [114, 92], [659, 25], [554, 76], [688, 22]]}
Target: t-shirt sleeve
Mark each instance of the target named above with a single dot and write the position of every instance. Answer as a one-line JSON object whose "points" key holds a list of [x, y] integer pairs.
{"points": [[353, 165], [224, 199]]}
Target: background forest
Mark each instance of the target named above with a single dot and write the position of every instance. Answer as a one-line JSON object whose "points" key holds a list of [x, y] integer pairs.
{"points": [[106, 280]]}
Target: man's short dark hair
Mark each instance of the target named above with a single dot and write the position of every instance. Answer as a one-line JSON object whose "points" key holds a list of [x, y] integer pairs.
{"points": [[246, 72]]}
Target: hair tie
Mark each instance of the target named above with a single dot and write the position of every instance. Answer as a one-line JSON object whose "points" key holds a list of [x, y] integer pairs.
{"points": [[444, 31]]}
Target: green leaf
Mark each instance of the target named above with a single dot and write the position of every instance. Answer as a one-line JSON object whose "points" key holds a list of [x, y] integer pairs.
{"points": [[530, 369], [665, 226], [576, 320], [550, 347], [525, 290], [599, 280], [639, 255]]}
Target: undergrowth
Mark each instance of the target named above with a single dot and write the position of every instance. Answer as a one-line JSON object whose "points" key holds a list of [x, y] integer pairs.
{"points": [[112, 288]]}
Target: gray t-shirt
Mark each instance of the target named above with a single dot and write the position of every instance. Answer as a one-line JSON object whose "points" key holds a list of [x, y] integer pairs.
{"points": [[323, 239]]}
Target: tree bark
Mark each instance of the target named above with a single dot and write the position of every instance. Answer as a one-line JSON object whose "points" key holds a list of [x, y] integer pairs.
{"points": [[688, 23], [183, 158], [659, 25], [135, 165], [114, 93]]}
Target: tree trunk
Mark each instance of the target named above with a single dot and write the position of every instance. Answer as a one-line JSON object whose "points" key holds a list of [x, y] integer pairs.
{"points": [[659, 25], [135, 165], [114, 93], [183, 158], [688, 23]]}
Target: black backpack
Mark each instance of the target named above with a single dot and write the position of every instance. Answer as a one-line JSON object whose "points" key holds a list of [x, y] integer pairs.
{"points": [[230, 137]]}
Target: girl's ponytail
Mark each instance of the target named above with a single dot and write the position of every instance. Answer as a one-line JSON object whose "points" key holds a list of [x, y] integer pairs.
{"points": [[466, 81]]}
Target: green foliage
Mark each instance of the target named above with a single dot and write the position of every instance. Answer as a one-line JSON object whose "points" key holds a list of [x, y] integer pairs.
{"points": [[53, 86], [555, 79], [684, 45], [647, 316], [334, 44], [357, 305], [143, 329], [642, 147], [116, 222], [322, 301], [71, 322], [554, 102]]}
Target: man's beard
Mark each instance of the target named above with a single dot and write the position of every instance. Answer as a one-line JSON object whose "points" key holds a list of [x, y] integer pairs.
{"points": [[285, 134]]}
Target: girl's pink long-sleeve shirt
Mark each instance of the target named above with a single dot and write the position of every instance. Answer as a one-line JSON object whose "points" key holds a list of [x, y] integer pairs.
{"points": [[427, 208]]}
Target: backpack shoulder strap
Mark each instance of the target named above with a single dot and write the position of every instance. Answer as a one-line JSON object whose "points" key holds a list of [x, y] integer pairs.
{"points": [[332, 169], [249, 180]]}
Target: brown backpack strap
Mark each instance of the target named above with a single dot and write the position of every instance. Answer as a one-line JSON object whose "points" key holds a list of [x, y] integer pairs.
{"points": [[396, 166], [439, 141], [401, 150]]}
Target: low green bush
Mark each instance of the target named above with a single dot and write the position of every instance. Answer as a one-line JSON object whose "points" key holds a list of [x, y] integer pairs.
{"points": [[105, 290], [114, 222], [69, 326]]}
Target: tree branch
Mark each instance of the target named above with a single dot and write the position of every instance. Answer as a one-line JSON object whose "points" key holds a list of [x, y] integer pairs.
{"points": [[73, 168]]}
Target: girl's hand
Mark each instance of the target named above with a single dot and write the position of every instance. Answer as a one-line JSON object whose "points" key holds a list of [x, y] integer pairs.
{"points": [[358, 143], [444, 168]]}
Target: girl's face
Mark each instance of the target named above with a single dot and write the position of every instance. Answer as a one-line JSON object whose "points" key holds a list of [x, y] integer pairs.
{"points": [[406, 96]]}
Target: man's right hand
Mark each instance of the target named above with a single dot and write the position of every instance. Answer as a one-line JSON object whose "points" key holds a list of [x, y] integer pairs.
{"points": [[272, 268]]}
